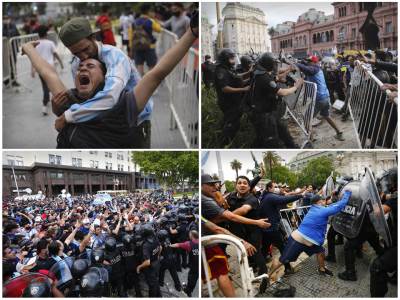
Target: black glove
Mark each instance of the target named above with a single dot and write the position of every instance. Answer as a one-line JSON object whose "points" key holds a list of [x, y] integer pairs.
{"points": [[194, 22]]}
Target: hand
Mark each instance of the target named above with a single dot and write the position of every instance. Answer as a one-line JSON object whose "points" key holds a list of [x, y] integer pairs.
{"points": [[299, 82], [29, 46], [390, 87], [60, 123], [138, 269], [392, 97], [250, 249], [246, 88], [59, 101], [263, 223]]}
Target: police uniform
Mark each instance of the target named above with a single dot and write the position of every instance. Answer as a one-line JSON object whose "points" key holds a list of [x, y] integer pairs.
{"points": [[193, 274], [168, 262], [151, 251], [116, 270], [130, 263]]}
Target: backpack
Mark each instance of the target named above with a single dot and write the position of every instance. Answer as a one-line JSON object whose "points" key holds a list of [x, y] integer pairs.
{"points": [[141, 39]]}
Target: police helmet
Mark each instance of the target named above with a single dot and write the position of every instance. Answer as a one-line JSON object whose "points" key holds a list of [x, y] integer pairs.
{"points": [[110, 244], [162, 235], [148, 231], [97, 256], [224, 55], [37, 289], [127, 239], [268, 61], [79, 268], [387, 182], [246, 61], [91, 285], [181, 217]]}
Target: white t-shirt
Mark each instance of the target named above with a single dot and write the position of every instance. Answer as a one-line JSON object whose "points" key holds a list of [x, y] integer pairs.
{"points": [[46, 50], [125, 22]]}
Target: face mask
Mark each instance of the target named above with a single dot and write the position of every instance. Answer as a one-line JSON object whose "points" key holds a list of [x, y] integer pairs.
{"points": [[277, 190]]}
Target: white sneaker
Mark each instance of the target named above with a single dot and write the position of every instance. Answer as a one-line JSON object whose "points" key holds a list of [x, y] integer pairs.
{"points": [[45, 110], [316, 122]]}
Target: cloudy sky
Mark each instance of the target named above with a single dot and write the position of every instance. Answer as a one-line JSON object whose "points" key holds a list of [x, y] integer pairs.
{"points": [[244, 157], [276, 12]]}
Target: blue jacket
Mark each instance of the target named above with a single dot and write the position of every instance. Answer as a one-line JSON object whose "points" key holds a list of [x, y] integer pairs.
{"points": [[314, 225], [314, 74], [271, 203]]}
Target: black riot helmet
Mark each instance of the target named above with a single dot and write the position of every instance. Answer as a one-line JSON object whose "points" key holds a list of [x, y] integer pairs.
{"points": [[38, 289], [79, 268], [148, 231], [224, 56], [246, 62], [162, 235], [387, 182], [110, 244], [91, 285], [97, 256], [182, 218], [127, 240], [268, 61]]}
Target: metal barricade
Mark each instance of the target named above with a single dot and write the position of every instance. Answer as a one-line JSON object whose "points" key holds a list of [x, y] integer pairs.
{"points": [[182, 84], [292, 217], [302, 109], [15, 44], [374, 117], [6, 61], [246, 272]]}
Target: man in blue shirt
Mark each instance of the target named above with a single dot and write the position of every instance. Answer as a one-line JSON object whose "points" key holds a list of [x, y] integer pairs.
{"points": [[310, 235], [315, 74]]}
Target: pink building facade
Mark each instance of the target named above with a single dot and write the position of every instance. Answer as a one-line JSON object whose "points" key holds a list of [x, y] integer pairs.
{"points": [[338, 33]]}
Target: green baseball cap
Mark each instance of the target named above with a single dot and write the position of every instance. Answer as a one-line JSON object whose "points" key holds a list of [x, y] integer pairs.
{"points": [[74, 31]]}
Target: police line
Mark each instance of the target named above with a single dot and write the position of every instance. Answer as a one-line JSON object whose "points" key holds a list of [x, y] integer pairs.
{"points": [[14, 46], [302, 108], [374, 117], [182, 84], [246, 273]]}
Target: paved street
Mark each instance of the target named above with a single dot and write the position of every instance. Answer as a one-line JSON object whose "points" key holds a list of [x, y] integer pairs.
{"points": [[309, 284], [25, 127]]}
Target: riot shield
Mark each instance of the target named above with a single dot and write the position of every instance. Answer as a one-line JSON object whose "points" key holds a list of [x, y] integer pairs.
{"points": [[348, 222], [62, 271], [15, 287], [369, 192]]}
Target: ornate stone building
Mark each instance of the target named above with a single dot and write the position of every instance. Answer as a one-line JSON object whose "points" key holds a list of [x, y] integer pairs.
{"points": [[206, 39], [245, 28]]}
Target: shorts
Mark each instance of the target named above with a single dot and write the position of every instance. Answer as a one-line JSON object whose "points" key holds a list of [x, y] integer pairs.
{"points": [[217, 262], [149, 56], [322, 107], [293, 249]]}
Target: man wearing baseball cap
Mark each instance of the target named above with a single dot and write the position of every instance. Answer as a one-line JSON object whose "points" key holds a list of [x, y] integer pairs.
{"points": [[315, 74], [78, 37]]}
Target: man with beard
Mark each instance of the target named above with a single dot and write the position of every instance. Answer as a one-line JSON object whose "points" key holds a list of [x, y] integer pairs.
{"points": [[179, 21]]}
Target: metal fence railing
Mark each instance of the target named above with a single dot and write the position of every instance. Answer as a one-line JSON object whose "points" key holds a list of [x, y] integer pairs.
{"points": [[292, 217], [246, 272], [6, 61], [15, 44], [302, 108], [374, 117], [182, 84]]}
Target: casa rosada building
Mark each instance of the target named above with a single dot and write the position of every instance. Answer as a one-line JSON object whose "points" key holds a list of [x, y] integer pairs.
{"points": [[316, 33]]}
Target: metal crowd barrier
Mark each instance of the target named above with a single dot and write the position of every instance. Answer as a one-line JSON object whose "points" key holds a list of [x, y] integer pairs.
{"points": [[302, 109], [182, 84], [6, 61], [374, 117], [15, 44], [246, 272], [292, 217]]}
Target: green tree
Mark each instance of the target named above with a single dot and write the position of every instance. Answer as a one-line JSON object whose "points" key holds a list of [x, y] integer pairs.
{"points": [[316, 171], [284, 175], [271, 159], [229, 185], [236, 165], [171, 168]]}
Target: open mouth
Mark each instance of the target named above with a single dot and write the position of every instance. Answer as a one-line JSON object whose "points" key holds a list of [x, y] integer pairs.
{"points": [[84, 79]]}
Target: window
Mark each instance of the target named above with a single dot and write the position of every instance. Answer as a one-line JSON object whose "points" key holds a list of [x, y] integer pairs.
{"points": [[353, 33], [10, 162], [78, 176], [388, 27], [52, 159], [96, 164], [76, 162], [106, 154], [91, 164], [56, 175], [108, 166]]}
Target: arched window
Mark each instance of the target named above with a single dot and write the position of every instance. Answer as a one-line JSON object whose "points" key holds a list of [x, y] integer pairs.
{"points": [[331, 36], [305, 40], [318, 38]]}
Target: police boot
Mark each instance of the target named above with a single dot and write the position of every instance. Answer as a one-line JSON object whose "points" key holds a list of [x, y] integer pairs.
{"points": [[348, 275]]}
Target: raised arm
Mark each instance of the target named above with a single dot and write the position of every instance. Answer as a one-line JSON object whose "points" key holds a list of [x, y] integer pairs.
{"points": [[44, 69], [149, 83]]}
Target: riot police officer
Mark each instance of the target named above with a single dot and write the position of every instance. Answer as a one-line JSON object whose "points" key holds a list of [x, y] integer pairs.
{"points": [[168, 260], [151, 264], [264, 94], [387, 262], [230, 90], [130, 263], [113, 259], [78, 270]]}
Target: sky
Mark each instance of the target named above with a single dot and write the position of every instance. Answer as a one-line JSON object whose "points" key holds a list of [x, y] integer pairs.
{"points": [[276, 12], [244, 157]]}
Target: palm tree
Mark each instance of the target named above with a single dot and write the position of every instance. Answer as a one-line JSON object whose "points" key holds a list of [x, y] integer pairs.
{"points": [[270, 159], [236, 165]]}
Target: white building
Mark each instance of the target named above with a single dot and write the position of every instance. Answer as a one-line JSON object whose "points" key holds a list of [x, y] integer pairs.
{"points": [[245, 29], [103, 160], [206, 39]]}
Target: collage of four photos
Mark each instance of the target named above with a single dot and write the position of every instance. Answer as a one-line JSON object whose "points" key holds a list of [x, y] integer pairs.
{"points": [[200, 149]]}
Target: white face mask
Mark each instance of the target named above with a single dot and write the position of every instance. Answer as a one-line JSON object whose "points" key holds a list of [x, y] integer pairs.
{"points": [[277, 190]]}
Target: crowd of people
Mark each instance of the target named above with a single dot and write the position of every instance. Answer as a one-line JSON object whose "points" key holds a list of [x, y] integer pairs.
{"points": [[111, 103], [253, 215], [257, 85], [80, 247]]}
